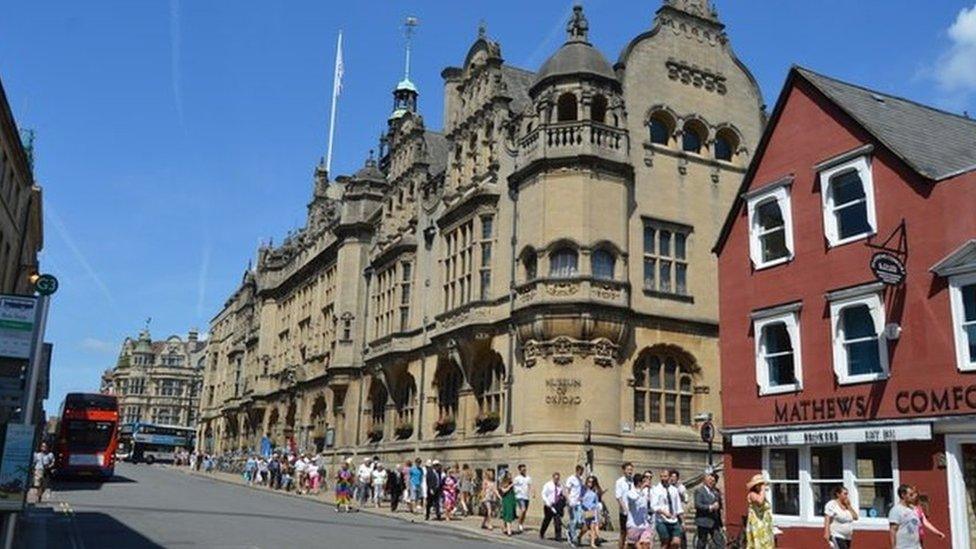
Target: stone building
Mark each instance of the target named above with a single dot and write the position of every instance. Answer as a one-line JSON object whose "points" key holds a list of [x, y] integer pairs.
{"points": [[21, 224], [531, 282], [158, 381]]}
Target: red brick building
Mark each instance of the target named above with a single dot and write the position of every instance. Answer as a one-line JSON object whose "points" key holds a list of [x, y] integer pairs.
{"points": [[847, 272]]}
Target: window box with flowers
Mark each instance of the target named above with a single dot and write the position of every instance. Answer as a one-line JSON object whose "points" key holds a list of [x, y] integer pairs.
{"points": [[445, 426], [488, 421], [375, 434], [403, 430]]}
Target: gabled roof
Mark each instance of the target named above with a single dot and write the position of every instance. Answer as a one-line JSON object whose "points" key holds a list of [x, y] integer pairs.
{"points": [[935, 144]]}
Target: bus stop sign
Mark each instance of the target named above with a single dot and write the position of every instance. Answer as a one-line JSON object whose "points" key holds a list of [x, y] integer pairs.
{"points": [[46, 284], [707, 431]]}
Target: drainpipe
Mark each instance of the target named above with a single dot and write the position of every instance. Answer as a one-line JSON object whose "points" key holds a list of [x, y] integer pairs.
{"points": [[513, 193], [368, 273]]}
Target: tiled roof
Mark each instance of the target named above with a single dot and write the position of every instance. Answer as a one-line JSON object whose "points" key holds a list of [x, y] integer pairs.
{"points": [[518, 81], [438, 149], [935, 143]]}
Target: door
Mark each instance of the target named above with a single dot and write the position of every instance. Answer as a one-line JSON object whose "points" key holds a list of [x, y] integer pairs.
{"points": [[969, 480]]}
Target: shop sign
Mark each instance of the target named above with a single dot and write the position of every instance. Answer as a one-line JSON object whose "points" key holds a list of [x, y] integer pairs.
{"points": [[888, 269], [16, 325], [15, 466], [893, 433], [563, 391]]}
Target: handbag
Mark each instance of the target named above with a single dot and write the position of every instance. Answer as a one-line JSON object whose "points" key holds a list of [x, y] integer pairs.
{"points": [[589, 515]]}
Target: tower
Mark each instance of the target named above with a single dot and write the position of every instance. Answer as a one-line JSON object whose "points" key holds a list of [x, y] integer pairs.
{"points": [[405, 93]]}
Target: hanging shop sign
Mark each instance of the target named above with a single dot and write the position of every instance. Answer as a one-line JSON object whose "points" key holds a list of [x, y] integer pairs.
{"points": [[888, 268], [846, 435]]}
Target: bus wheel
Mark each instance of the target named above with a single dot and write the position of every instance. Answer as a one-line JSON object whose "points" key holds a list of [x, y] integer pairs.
{"points": [[150, 460]]}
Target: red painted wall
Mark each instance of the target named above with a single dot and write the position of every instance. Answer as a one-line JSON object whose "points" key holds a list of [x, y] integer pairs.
{"points": [[939, 218]]}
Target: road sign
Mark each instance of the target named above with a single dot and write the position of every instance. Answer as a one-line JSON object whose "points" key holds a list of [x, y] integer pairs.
{"points": [[46, 284], [707, 431]]}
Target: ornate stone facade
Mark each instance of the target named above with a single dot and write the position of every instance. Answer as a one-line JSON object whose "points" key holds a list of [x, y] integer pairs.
{"points": [[158, 381], [538, 269]]}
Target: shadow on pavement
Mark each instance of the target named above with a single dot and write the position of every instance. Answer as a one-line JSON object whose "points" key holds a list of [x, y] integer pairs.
{"points": [[86, 483], [43, 527]]}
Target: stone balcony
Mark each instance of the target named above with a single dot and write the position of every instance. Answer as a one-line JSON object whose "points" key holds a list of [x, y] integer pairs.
{"points": [[580, 290], [574, 139]]}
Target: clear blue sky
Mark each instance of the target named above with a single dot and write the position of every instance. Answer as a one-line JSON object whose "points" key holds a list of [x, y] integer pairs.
{"points": [[173, 136]]}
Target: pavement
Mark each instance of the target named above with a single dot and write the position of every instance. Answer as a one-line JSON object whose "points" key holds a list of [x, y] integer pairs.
{"points": [[150, 507]]}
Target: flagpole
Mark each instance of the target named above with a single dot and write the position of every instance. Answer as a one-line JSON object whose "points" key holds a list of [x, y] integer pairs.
{"points": [[335, 95]]}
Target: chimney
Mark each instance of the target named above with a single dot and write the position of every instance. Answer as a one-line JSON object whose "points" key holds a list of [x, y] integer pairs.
{"points": [[192, 335]]}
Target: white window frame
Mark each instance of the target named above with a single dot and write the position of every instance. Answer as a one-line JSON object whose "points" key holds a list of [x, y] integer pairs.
{"points": [[956, 283], [788, 315], [807, 518], [779, 192], [871, 298], [862, 165]]}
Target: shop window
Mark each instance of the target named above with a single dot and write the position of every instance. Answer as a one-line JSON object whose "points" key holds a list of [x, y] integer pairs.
{"points": [[848, 201], [770, 226], [777, 351], [602, 264], [802, 480], [662, 391], [783, 470], [563, 263], [962, 291], [860, 350]]}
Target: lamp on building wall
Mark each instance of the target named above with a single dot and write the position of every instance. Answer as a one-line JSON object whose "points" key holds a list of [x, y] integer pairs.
{"points": [[892, 331]]}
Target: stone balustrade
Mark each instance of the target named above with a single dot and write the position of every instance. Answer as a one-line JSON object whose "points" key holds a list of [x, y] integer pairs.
{"points": [[549, 291], [576, 138]]}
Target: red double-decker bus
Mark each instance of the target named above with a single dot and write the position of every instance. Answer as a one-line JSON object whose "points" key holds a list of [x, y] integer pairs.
{"points": [[87, 436]]}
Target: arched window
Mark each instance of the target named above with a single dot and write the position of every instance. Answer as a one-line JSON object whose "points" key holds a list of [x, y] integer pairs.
{"points": [[662, 391], [530, 262], [563, 263], [598, 109], [726, 144], [660, 128], [602, 264], [692, 137], [566, 108]]}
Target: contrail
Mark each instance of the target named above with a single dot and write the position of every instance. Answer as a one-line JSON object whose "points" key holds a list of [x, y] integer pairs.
{"points": [[557, 27], [174, 39], [59, 227]]}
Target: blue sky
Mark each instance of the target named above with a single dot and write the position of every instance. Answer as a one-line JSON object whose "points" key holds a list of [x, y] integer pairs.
{"points": [[173, 136]]}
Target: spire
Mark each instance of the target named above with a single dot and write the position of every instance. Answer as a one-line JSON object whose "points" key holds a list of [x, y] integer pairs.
{"points": [[578, 28], [703, 9], [405, 94], [482, 29]]}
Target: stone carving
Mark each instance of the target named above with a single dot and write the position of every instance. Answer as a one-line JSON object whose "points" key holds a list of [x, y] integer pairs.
{"points": [[563, 350], [562, 288], [696, 76], [606, 291]]}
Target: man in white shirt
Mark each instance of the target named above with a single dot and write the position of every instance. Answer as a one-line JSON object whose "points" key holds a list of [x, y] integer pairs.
{"points": [[620, 489], [523, 492], [43, 463], [665, 502], [574, 491], [554, 501], [364, 479], [639, 520], [675, 478], [301, 474]]}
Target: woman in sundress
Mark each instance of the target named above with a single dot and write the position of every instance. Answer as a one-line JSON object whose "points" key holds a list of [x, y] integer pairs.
{"points": [[759, 526], [450, 493], [507, 491], [343, 487]]}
